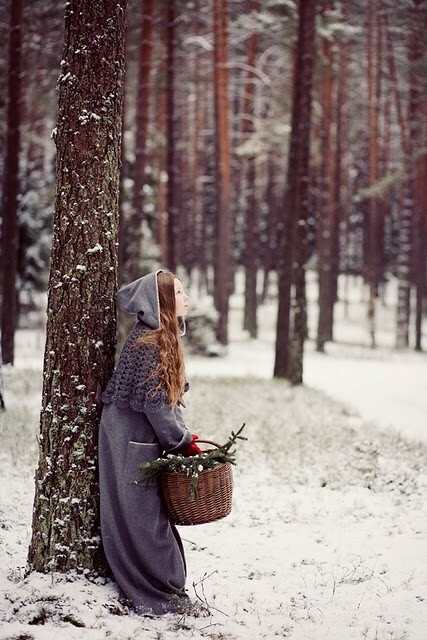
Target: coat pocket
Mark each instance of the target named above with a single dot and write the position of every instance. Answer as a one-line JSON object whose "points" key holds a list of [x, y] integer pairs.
{"points": [[137, 452]]}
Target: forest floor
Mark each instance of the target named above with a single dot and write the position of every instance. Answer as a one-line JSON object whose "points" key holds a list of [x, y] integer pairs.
{"points": [[328, 532]]}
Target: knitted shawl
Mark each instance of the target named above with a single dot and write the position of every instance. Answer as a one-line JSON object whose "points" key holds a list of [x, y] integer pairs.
{"points": [[132, 383]]}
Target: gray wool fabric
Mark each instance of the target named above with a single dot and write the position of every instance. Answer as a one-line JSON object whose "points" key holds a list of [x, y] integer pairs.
{"points": [[142, 546]]}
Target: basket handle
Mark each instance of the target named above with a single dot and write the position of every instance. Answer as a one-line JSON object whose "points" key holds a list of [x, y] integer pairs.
{"points": [[203, 440]]}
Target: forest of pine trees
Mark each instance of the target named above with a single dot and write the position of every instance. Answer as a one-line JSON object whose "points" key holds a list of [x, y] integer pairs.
{"points": [[269, 136]]}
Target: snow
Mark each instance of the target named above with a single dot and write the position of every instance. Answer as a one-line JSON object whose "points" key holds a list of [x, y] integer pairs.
{"points": [[328, 531]]}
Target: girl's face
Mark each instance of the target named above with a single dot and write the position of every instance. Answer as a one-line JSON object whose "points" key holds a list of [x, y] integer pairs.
{"points": [[181, 299]]}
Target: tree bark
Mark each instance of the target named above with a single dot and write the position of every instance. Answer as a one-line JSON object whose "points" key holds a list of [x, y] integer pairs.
{"points": [[134, 239], [81, 324], [172, 212], [409, 214], [289, 349], [373, 112], [222, 159], [326, 199], [421, 247], [9, 236], [251, 222]]}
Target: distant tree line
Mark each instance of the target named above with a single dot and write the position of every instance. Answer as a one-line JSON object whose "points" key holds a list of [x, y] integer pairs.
{"points": [[207, 181]]}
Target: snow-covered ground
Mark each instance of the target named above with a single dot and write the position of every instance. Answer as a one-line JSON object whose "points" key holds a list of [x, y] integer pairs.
{"points": [[384, 386], [328, 534]]}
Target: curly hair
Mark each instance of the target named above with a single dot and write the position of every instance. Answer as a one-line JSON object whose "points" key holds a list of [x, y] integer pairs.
{"points": [[167, 340]]}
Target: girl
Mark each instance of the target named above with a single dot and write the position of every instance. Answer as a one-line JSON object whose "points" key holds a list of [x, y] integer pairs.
{"points": [[141, 419]]}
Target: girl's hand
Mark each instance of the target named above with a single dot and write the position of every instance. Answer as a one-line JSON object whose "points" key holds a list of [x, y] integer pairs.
{"points": [[192, 449]]}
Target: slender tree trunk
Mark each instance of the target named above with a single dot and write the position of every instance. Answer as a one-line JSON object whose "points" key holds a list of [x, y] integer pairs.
{"points": [[122, 275], [327, 212], [380, 127], [340, 166], [196, 200], [409, 216], [271, 250], [421, 248], [161, 228], [81, 326], [289, 350], [222, 157], [172, 212], [11, 187], [394, 83], [373, 107], [143, 101], [251, 222]]}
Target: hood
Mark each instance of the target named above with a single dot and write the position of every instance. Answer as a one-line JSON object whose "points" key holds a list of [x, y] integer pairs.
{"points": [[141, 297]]}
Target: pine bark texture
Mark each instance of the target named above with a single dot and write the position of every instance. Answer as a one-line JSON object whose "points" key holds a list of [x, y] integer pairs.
{"points": [[252, 221], [9, 235], [408, 219], [79, 353], [172, 209], [326, 224], [292, 257], [373, 124], [134, 239], [223, 171]]}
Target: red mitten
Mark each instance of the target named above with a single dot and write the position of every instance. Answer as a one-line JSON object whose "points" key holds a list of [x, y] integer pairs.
{"points": [[192, 449]]}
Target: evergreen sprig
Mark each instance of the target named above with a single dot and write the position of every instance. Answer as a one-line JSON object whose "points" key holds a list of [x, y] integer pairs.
{"points": [[191, 466]]}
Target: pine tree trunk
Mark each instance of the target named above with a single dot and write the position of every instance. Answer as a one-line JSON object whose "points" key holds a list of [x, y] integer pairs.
{"points": [[222, 159], [196, 200], [289, 349], [251, 222], [408, 216], [172, 212], [421, 246], [80, 341], [373, 112], [340, 166], [161, 227], [134, 240], [9, 233], [123, 208], [394, 83], [327, 212]]}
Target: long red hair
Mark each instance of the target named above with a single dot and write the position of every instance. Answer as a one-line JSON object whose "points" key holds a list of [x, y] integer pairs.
{"points": [[170, 369]]}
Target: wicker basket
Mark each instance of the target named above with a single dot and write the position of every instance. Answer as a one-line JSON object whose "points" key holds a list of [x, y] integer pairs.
{"points": [[214, 494]]}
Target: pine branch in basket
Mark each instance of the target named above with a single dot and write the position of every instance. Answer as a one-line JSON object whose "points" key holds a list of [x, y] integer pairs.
{"points": [[192, 465]]}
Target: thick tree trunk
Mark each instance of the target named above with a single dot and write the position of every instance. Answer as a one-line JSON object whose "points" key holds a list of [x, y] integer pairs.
{"points": [[79, 353], [9, 233], [289, 350], [222, 158]]}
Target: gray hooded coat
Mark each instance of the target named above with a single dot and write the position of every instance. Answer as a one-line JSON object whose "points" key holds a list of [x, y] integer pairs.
{"points": [[143, 547]]}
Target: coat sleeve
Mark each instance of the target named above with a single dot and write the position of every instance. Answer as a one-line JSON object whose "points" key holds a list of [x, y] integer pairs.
{"points": [[169, 428]]}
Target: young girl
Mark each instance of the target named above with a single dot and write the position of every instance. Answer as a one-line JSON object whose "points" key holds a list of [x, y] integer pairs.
{"points": [[140, 420]]}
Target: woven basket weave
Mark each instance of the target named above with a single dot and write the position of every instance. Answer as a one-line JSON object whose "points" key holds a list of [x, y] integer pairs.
{"points": [[214, 494]]}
